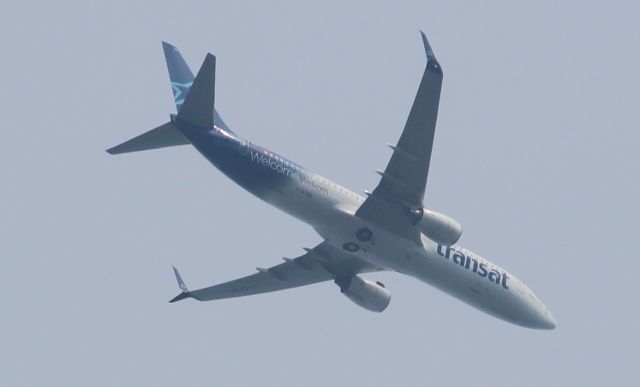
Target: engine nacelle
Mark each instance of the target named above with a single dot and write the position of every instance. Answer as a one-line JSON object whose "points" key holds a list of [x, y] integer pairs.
{"points": [[437, 227], [372, 296]]}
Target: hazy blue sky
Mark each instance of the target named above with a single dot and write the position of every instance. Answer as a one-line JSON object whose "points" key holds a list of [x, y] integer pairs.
{"points": [[536, 155]]}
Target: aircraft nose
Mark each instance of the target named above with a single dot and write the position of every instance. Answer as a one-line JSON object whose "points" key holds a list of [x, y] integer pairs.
{"points": [[538, 316], [547, 321], [543, 320]]}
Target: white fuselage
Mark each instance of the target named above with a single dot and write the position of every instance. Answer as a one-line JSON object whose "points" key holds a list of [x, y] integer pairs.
{"points": [[330, 209], [454, 270]]}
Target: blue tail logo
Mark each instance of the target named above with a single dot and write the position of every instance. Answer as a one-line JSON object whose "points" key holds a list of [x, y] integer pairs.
{"points": [[180, 91]]}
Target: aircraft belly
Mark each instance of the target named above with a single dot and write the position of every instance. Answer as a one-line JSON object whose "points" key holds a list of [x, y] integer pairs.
{"points": [[309, 207], [425, 264]]}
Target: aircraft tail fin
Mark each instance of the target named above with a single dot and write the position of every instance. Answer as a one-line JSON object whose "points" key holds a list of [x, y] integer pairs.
{"points": [[163, 136], [182, 79], [197, 108], [179, 73], [194, 98]]}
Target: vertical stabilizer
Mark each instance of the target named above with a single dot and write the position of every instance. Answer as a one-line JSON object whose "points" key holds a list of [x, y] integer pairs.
{"points": [[179, 73], [197, 108], [181, 80]]}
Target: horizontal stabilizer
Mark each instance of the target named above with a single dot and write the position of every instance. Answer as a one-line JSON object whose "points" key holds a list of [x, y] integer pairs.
{"points": [[161, 137]]}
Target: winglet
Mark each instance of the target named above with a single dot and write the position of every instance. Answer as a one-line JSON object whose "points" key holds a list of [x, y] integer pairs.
{"points": [[432, 62], [183, 287], [181, 284]]}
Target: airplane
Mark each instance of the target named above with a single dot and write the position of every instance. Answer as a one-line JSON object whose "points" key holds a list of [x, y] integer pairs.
{"points": [[389, 229]]}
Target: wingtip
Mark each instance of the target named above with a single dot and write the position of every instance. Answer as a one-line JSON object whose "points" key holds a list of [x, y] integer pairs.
{"points": [[167, 45], [184, 291], [427, 46], [179, 297], [181, 283], [115, 150], [431, 56]]}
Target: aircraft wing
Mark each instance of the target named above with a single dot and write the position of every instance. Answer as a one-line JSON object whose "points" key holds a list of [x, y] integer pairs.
{"points": [[322, 263], [403, 182]]}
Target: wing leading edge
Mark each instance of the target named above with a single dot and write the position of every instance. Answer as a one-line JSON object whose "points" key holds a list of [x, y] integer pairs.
{"points": [[322, 263], [403, 182]]}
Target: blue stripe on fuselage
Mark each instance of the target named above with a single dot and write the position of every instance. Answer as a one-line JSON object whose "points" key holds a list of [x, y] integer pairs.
{"points": [[254, 168]]}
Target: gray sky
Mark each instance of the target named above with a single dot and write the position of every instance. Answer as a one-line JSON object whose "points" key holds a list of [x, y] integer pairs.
{"points": [[536, 155]]}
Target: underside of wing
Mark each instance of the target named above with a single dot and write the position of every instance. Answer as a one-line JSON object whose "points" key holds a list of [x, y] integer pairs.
{"points": [[402, 186], [322, 263]]}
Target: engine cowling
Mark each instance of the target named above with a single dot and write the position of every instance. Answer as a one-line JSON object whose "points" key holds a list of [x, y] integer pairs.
{"points": [[437, 227], [372, 296]]}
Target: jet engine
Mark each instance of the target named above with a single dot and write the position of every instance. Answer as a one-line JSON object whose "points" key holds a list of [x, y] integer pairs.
{"points": [[372, 296], [437, 227]]}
